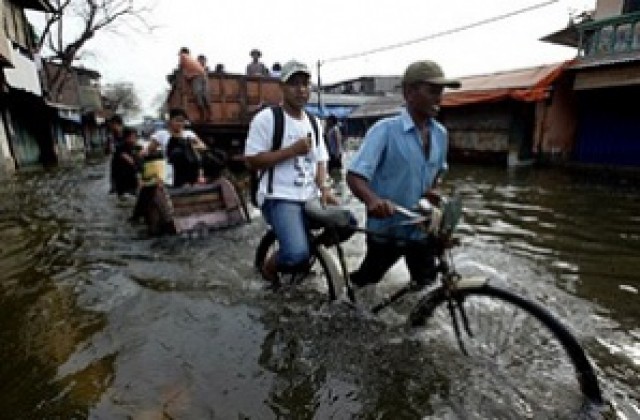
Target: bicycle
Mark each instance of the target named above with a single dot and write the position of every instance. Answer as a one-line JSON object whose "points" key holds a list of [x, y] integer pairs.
{"points": [[472, 305]]}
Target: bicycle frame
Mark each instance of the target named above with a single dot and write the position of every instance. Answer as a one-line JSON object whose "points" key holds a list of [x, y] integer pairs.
{"points": [[451, 293], [449, 279]]}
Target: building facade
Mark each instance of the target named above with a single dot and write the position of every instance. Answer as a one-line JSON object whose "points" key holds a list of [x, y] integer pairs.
{"points": [[25, 137], [75, 97], [606, 80]]}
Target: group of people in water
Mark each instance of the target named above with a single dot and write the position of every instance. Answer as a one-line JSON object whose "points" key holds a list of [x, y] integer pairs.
{"points": [[401, 160], [137, 170]]}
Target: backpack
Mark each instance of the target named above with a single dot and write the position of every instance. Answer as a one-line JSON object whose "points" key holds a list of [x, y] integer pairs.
{"points": [[276, 143]]}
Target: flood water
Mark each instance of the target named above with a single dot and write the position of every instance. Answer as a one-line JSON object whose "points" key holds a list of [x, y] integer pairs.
{"points": [[99, 321]]}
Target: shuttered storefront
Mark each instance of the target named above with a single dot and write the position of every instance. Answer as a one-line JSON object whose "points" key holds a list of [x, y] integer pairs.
{"points": [[608, 127]]}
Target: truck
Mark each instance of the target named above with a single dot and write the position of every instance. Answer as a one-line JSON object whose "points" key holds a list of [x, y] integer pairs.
{"points": [[221, 200], [234, 100]]}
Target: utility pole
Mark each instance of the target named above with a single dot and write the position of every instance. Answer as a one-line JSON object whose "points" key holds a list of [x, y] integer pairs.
{"points": [[319, 88]]}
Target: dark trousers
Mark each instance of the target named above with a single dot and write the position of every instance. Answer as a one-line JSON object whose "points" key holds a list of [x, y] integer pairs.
{"points": [[381, 256]]}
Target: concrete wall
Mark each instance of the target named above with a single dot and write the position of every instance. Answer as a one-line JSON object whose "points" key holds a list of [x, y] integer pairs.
{"points": [[7, 164], [608, 8]]}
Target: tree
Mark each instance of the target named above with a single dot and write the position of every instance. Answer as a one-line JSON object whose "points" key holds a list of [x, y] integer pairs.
{"points": [[121, 98], [73, 23], [159, 103]]}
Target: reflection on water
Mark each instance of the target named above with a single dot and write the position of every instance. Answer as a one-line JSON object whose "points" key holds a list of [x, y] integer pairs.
{"points": [[96, 320]]}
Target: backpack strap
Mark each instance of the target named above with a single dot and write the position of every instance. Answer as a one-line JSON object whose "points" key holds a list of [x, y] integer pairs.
{"points": [[278, 133], [314, 124], [276, 140]]}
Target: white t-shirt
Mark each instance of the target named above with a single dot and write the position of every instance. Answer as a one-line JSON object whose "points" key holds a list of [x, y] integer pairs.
{"points": [[162, 137], [293, 179]]}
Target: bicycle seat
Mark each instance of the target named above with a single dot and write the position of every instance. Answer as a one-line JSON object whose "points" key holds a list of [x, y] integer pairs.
{"points": [[327, 216]]}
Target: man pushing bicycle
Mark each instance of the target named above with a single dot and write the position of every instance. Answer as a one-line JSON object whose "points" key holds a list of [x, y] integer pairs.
{"points": [[399, 162]]}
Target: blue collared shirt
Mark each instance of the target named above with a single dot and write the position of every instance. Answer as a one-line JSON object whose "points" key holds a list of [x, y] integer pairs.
{"points": [[392, 159]]}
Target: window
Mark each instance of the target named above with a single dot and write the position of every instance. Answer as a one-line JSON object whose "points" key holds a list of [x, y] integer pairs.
{"points": [[604, 40], [623, 38], [588, 43], [631, 6], [636, 37]]}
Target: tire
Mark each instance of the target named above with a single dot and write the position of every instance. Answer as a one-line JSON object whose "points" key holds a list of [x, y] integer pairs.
{"points": [[533, 356], [329, 269]]}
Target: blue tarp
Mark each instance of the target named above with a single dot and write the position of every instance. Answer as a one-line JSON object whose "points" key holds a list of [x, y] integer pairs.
{"points": [[326, 110]]}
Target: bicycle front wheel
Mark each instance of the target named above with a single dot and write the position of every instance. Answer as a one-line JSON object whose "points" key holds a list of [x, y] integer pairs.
{"points": [[324, 271], [520, 355]]}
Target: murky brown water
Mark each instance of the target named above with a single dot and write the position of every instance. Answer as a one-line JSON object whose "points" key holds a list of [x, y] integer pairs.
{"points": [[98, 321]]}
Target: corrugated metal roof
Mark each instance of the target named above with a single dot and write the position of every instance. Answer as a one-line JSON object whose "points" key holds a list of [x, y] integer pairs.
{"points": [[379, 107], [527, 84], [511, 79], [339, 99]]}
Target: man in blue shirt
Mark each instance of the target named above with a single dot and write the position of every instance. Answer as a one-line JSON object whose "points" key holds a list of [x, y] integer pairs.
{"points": [[399, 162]]}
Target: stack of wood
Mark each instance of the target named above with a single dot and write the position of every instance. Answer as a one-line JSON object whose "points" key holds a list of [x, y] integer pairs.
{"points": [[210, 206]]}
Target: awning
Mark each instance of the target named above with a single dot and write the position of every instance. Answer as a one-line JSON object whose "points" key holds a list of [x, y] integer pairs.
{"points": [[24, 74], [526, 85], [382, 106], [568, 36]]}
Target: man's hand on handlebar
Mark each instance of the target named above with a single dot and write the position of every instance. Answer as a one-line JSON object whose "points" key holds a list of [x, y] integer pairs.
{"points": [[380, 208]]}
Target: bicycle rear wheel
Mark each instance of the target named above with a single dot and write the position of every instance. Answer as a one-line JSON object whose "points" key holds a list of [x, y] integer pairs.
{"points": [[520, 355], [324, 270]]}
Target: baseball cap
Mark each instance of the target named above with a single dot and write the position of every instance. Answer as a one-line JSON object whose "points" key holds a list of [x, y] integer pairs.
{"points": [[292, 67], [430, 72]]}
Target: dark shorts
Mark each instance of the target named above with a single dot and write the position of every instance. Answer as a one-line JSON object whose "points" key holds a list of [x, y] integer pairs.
{"points": [[381, 256]]}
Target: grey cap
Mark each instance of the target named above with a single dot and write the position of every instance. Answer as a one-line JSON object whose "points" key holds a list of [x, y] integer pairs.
{"points": [[429, 72], [292, 67]]}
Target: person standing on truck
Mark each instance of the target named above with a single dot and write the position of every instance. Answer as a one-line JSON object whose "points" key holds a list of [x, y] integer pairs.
{"points": [[196, 76], [276, 70], [256, 67], [296, 171], [202, 59]]}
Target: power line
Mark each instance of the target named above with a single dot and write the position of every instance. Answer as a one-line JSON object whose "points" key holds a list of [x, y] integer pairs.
{"points": [[439, 34]]}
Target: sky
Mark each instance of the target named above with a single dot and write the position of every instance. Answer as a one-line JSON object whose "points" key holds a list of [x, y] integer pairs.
{"points": [[225, 31]]}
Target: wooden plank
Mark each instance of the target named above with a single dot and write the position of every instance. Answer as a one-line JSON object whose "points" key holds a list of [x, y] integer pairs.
{"points": [[197, 209], [195, 199], [607, 77]]}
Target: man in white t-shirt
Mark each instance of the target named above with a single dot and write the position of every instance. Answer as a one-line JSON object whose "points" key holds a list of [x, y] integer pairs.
{"points": [[299, 170]]}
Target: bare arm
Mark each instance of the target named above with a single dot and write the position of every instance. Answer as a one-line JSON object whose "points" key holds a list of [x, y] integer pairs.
{"points": [[321, 177], [271, 158], [198, 143], [376, 206]]}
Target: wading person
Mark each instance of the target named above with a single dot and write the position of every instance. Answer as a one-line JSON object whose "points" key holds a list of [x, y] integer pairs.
{"points": [[114, 140], [182, 138], [333, 137], [292, 173], [400, 161], [127, 165]]}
